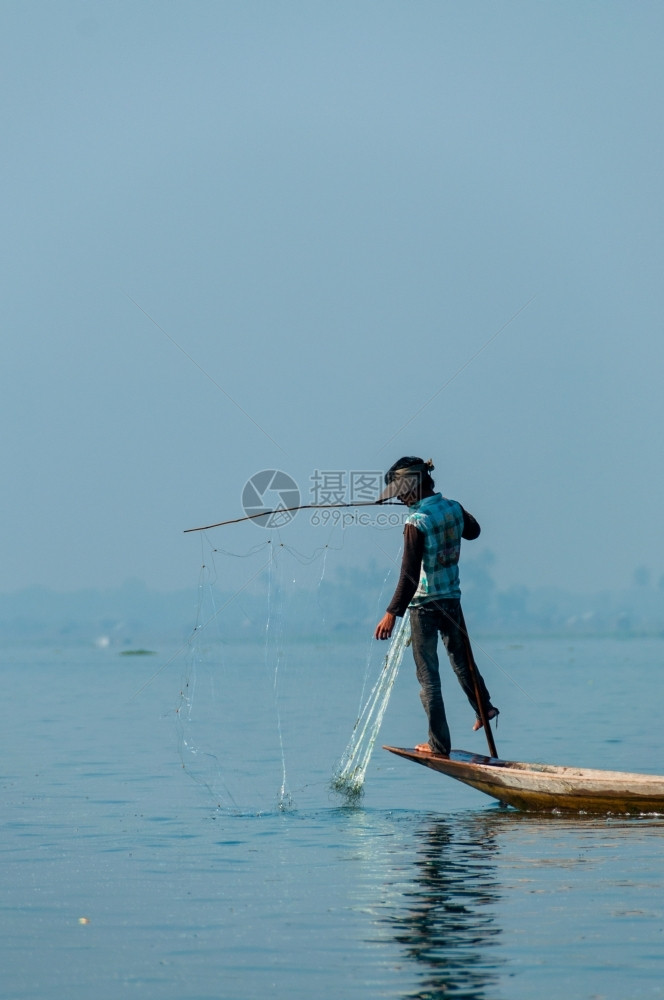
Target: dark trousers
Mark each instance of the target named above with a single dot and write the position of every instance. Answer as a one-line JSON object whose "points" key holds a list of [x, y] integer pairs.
{"points": [[426, 621]]}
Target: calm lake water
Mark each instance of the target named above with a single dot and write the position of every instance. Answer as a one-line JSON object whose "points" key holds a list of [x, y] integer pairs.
{"points": [[145, 854]]}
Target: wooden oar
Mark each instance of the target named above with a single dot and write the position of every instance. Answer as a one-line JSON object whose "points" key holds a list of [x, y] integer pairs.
{"points": [[480, 703]]}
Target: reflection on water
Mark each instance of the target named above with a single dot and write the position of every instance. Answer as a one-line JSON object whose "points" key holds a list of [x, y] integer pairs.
{"points": [[446, 921], [462, 884]]}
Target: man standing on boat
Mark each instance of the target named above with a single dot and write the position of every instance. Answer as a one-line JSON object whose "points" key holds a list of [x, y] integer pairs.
{"points": [[429, 586]]}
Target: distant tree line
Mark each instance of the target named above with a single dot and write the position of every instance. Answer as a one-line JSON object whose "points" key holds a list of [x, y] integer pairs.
{"points": [[347, 602]]}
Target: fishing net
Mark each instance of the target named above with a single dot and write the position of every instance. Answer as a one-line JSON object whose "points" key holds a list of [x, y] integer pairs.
{"points": [[254, 711], [349, 774]]}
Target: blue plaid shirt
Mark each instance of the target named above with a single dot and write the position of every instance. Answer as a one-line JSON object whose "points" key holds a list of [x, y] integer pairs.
{"points": [[441, 522]]}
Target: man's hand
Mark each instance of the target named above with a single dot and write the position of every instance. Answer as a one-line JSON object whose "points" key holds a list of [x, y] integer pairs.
{"points": [[385, 626]]}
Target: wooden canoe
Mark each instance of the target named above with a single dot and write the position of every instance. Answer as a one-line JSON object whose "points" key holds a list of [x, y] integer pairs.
{"points": [[546, 786]]}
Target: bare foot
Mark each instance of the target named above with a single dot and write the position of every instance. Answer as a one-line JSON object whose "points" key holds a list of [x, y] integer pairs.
{"points": [[425, 748], [491, 714]]}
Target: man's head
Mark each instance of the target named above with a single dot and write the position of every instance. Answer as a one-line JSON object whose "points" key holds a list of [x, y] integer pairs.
{"points": [[408, 480]]}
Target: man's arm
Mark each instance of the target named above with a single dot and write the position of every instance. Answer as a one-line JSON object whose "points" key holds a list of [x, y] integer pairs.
{"points": [[411, 567], [471, 528], [411, 564]]}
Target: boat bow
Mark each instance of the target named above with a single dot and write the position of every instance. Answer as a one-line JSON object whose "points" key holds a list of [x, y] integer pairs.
{"points": [[547, 786]]}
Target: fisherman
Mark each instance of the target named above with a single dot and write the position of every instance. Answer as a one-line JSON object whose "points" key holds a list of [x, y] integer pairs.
{"points": [[429, 586]]}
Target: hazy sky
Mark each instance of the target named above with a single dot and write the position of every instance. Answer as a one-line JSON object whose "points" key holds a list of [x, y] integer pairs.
{"points": [[331, 207]]}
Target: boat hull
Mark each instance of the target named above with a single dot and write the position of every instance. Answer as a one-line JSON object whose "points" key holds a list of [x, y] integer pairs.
{"points": [[536, 787]]}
